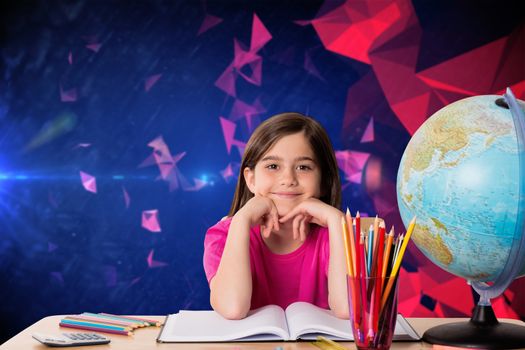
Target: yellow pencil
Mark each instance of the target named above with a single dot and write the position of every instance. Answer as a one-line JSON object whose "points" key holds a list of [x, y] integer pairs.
{"points": [[327, 344], [347, 248], [397, 264], [350, 228]]}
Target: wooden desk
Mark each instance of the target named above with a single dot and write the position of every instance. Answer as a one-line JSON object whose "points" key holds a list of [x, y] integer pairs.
{"points": [[145, 338]]}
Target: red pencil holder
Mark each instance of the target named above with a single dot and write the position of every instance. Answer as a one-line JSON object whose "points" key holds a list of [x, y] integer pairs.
{"points": [[373, 311]]}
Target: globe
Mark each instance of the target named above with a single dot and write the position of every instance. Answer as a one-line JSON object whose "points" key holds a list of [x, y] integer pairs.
{"points": [[459, 175], [463, 176]]}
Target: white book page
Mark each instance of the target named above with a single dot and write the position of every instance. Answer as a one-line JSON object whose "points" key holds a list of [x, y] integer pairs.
{"points": [[306, 321], [266, 323], [305, 318]]}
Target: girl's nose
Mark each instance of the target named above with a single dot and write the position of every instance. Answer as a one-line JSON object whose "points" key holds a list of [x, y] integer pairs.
{"points": [[289, 178]]}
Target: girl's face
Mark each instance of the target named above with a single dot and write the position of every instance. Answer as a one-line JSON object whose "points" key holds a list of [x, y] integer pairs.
{"points": [[287, 174]]}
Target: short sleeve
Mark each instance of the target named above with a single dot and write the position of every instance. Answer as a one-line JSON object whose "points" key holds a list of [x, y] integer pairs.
{"points": [[214, 242]]}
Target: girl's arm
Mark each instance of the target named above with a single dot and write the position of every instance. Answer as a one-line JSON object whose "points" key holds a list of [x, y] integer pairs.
{"points": [[320, 213], [337, 288], [231, 287]]}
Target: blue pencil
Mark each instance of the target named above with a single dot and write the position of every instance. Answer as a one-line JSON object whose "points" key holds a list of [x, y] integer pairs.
{"points": [[93, 324], [370, 249]]}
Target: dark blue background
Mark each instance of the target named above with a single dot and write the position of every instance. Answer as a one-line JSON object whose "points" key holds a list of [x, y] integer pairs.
{"points": [[65, 250]]}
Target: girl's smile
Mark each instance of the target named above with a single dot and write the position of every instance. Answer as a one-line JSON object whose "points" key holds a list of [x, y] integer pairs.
{"points": [[286, 195]]}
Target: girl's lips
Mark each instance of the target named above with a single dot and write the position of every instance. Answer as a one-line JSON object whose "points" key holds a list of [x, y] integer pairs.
{"points": [[286, 194]]}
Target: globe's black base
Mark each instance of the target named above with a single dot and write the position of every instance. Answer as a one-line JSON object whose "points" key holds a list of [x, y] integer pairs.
{"points": [[482, 331]]}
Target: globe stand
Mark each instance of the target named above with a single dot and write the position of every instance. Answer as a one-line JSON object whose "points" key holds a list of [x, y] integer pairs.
{"points": [[483, 331]]}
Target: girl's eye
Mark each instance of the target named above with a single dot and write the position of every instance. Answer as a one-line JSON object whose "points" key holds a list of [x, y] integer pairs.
{"points": [[304, 167], [271, 166]]}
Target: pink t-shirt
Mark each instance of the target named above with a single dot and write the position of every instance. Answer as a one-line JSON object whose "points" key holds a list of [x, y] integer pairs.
{"points": [[277, 278]]}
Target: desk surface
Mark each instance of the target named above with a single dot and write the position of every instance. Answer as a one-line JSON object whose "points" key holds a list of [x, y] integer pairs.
{"points": [[145, 338]]}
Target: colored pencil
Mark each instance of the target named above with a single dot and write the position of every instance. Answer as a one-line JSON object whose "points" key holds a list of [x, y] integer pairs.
{"points": [[362, 278], [358, 249], [96, 329], [349, 263], [388, 247], [348, 255], [380, 280], [350, 228], [397, 262], [112, 317], [358, 228], [102, 318], [325, 343], [370, 252], [399, 243], [357, 266], [98, 320], [133, 318], [376, 242], [94, 324], [362, 255]]}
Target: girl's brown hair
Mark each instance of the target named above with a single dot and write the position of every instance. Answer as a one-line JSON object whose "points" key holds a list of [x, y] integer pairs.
{"points": [[271, 131]]}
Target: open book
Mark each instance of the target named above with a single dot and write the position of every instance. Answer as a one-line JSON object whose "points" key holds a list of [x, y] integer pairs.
{"points": [[300, 320]]}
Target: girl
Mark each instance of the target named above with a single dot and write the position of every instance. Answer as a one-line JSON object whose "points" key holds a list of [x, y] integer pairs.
{"points": [[282, 239]]}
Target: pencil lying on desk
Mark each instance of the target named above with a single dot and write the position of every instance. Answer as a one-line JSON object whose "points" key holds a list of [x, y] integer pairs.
{"points": [[102, 317], [133, 318], [94, 327], [85, 318]]}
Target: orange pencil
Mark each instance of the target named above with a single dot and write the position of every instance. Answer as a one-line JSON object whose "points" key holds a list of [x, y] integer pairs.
{"points": [[388, 247], [397, 263]]}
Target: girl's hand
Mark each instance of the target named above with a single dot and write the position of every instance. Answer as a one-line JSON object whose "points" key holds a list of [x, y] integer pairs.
{"points": [[261, 210], [314, 211]]}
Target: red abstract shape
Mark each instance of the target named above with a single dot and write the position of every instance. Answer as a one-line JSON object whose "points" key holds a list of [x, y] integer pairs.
{"points": [[226, 81], [89, 182], [387, 36], [352, 164], [368, 22], [228, 130], [150, 220], [68, 95], [153, 263], [368, 135], [150, 81], [208, 23], [310, 67], [127, 199], [248, 111], [260, 35], [95, 47], [242, 57]]}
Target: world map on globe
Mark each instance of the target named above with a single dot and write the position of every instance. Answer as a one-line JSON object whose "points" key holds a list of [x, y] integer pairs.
{"points": [[459, 175]]}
